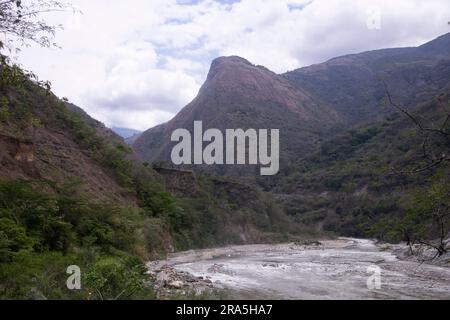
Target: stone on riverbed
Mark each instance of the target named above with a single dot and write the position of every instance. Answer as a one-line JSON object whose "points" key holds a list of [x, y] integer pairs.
{"points": [[176, 284]]}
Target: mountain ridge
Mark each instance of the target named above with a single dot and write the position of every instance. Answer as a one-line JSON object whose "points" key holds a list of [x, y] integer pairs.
{"points": [[307, 104], [354, 84]]}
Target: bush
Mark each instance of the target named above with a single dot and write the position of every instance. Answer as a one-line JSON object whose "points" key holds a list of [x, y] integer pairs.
{"points": [[113, 278], [13, 238]]}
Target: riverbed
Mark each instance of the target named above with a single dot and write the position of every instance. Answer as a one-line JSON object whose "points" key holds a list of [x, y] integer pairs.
{"points": [[336, 269]]}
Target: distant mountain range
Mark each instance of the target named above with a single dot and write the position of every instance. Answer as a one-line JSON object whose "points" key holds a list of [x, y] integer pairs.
{"points": [[126, 132]]}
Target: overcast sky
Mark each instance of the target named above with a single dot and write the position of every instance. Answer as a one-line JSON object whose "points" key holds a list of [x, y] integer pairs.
{"points": [[136, 63]]}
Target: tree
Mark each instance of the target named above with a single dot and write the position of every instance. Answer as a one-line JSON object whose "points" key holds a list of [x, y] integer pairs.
{"points": [[432, 208], [20, 25], [13, 238], [20, 20]]}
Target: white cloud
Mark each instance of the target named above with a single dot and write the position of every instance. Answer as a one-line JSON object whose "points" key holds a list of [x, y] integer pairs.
{"points": [[136, 63]]}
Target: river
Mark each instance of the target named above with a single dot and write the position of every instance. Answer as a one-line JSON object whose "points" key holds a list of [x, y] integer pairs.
{"points": [[338, 269]]}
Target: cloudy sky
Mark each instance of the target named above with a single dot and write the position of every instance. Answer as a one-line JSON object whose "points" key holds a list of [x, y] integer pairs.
{"points": [[136, 63]]}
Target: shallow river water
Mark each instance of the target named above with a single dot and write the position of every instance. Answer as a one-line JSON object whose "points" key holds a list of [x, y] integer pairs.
{"points": [[339, 269]]}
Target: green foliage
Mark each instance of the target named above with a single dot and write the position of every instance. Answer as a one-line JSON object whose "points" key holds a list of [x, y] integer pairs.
{"points": [[12, 74], [425, 216], [428, 212], [113, 278], [13, 239], [361, 183], [22, 21], [37, 212], [42, 219], [38, 275], [35, 222], [4, 109]]}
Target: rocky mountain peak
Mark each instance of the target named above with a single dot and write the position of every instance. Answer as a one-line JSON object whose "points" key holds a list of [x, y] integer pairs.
{"points": [[231, 65], [236, 79]]}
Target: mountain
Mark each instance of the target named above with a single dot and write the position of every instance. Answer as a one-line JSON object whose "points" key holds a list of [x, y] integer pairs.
{"points": [[353, 85], [126, 132], [309, 104], [238, 94]]}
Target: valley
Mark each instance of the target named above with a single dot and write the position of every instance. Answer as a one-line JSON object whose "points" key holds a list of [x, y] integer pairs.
{"points": [[352, 163]]}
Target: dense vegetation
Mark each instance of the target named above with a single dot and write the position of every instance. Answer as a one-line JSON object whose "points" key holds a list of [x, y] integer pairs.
{"points": [[388, 180], [41, 234]]}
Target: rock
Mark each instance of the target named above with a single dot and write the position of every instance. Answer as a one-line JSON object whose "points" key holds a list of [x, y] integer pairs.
{"points": [[176, 284], [35, 294], [162, 277]]}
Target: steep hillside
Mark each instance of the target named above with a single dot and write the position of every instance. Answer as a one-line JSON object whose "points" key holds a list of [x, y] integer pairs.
{"points": [[44, 138], [363, 182], [238, 94], [352, 85]]}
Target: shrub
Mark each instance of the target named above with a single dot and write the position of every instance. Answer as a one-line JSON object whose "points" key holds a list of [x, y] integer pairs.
{"points": [[114, 278]]}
